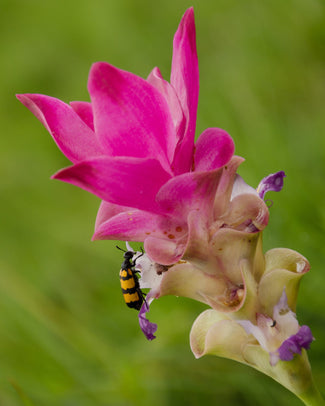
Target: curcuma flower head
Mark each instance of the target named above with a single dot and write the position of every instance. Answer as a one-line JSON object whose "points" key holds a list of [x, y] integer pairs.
{"points": [[201, 225]]}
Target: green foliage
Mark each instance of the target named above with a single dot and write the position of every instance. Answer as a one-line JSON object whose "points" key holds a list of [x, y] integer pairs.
{"points": [[66, 337]]}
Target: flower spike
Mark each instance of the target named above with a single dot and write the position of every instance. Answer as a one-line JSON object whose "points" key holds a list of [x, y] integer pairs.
{"points": [[133, 146]]}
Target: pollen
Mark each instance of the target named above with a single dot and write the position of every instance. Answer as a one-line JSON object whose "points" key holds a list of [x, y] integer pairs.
{"points": [[179, 229], [171, 236]]}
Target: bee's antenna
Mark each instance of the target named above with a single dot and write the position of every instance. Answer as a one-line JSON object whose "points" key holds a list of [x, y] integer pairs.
{"points": [[121, 249]]}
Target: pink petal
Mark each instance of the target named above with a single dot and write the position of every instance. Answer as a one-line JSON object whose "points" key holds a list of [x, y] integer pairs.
{"points": [[75, 139], [226, 185], [137, 225], [185, 80], [155, 78], [213, 149], [108, 210], [163, 251], [123, 181], [198, 239], [187, 192], [85, 112], [131, 117]]}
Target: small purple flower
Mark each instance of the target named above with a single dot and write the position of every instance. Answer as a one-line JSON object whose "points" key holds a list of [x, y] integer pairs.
{"points": [[147, 327], [272, 182], [294, 344]]}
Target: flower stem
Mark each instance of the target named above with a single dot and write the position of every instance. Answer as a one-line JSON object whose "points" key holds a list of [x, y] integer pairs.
{"points": [[312, 397], [295, 375]]}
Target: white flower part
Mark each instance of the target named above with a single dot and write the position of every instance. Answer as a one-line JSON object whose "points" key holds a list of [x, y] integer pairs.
{"points": [[286, 319], [263, 332], [240, 187], [250, 328], [149, 277], [301, 265], [128, 246], [274, 358]]}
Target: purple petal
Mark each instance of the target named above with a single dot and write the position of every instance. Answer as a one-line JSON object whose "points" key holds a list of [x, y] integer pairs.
{"points": [[273, 182], [75, 139], [213, 149], [123, 180], [185, 80], [147, 327], [304, 337], [294, 344], [85, 112], [131, 117]]}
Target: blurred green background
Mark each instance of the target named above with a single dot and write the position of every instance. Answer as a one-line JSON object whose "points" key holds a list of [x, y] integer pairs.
{"points": [[66, 337]]}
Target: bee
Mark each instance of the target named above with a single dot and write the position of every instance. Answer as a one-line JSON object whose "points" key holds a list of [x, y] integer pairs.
{"points": [[133, 295]]}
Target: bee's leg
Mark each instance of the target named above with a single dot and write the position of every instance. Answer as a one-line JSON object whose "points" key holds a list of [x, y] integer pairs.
{"points": [[135, 259]]}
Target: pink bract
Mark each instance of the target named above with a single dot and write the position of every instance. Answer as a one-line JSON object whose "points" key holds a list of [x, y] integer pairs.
{"points": [[133, 147]]}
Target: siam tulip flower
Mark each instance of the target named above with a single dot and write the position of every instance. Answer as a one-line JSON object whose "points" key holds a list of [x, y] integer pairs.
{"points": [[133, 145]]}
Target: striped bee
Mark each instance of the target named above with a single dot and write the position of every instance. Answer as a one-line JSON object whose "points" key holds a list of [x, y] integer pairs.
{"points": [[133, 295]]}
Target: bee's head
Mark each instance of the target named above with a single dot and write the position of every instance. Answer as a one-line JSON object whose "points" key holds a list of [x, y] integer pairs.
{"points": [[128, 255]]}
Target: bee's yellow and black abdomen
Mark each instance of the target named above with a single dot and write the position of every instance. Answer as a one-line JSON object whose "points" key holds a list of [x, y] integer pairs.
{"points": [[131, 289]]}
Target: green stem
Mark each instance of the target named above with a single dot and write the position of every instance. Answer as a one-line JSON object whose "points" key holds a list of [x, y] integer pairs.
{"points": [[294, 375], [312, 397]]}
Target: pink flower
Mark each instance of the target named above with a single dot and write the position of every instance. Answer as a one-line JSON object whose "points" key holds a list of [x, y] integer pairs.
{"points": [[133, 146]]}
